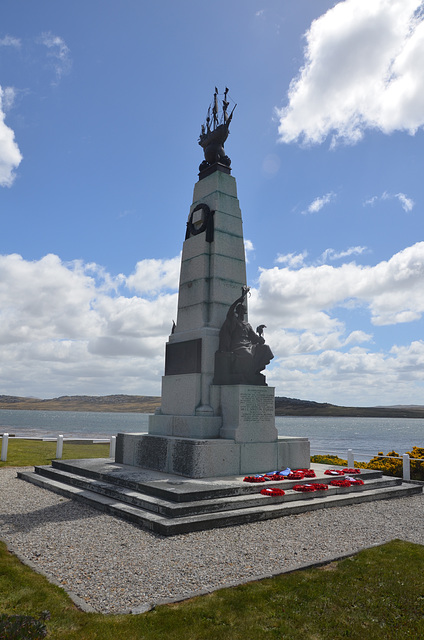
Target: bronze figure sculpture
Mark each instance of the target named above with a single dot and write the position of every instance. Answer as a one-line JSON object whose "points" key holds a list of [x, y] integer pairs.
{"points": [[242, 353]]}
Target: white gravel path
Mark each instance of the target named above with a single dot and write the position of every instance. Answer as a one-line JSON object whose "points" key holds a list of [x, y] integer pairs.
{"points": [[116, 567]]}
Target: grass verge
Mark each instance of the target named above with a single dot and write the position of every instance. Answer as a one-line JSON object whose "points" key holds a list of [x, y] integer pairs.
{"points": [[378, 594], [28, 453]]}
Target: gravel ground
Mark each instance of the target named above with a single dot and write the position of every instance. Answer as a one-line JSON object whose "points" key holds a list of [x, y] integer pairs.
{"points": [[116, 567]]}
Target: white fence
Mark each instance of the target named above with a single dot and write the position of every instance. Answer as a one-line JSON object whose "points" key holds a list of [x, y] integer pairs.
{"points": [[59, 444]]}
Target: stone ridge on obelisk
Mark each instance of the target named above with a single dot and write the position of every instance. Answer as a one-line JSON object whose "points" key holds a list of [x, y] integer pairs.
{"points": [[217, 414]]}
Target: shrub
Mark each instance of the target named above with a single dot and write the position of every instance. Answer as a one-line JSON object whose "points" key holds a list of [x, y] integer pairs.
{"points": [[336, 461], [393, 465], [329, 459], [390, 466], [23, 627]]}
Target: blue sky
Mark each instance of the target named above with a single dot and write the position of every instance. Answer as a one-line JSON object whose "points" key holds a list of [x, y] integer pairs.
{"points": [[101, 107]]}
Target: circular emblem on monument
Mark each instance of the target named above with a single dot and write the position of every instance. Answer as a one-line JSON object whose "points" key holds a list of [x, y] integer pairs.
{"points": [[198, 219]]}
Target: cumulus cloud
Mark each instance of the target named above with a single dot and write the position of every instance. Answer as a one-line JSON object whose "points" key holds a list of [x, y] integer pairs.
{"points": [[392, 290], [58, 53], [10, 155], [67, 327], [358, 376], [153, 275], [363, 70], [316, 355], [74, 328], [406, 202]]}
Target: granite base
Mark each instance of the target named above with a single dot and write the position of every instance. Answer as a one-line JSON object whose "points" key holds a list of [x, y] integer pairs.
{"points": [[203, 458]]}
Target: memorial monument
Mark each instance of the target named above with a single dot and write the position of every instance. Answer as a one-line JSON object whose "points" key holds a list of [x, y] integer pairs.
{"points": [[217, 416]]}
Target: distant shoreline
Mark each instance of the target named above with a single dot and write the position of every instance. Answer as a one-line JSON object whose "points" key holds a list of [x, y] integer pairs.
{"points": [[148, 404]]}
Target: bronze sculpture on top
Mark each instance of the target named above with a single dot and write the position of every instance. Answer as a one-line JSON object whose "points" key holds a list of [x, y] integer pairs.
{"points": [[214, 134], [242, 353]]}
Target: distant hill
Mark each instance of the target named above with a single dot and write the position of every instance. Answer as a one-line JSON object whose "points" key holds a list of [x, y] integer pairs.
{"points": [[148, 404], [114, 403], [294, 407]]}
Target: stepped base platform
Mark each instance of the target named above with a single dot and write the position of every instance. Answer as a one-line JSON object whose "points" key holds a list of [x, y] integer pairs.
{"points": [[167, 504]]}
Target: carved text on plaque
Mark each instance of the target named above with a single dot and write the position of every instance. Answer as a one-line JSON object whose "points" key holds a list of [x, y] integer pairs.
{"points": [[255, 407]]}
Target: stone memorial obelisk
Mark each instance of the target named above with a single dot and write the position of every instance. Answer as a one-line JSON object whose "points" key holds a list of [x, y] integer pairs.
{"points": [[217, 416]]}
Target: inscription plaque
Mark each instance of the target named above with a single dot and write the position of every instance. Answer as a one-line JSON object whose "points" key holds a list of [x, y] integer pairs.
{"points": [[183, 357], [251, 410]]}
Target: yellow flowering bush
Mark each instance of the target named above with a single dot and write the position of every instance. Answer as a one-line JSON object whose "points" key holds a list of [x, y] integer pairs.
{"points": [[335, 460]]}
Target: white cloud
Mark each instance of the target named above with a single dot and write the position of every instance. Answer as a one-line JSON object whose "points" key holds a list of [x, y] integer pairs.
{"points": [[406, 202], [292, 260], [10, 155], [8, 98], [71, 328], [320, 202], [371, 201], [153, 275], [355, 377], [64, 329], [363, 70], [10, 41], [58, 52], [332, 254], [248, 249], [392, 290], [298, 260]]}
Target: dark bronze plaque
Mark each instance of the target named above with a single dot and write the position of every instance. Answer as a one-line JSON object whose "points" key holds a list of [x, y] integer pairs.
{"points": [[183, 357]]}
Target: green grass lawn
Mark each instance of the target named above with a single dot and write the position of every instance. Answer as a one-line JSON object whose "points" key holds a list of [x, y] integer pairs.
{"points": [[23, 453], [378, 594]]}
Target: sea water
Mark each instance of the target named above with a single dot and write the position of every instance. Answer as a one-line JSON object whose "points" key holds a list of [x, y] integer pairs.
{"points": [[365, 436]]}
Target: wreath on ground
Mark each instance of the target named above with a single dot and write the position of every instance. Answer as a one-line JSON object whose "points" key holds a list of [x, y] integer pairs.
{"points": [[341, 483], [355, 481], [320, 486], [272, 491], [316, 486], [305, 488], [308, 473], [295, 475]]}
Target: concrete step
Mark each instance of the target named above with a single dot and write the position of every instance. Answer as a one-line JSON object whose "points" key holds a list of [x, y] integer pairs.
{"points": [[217, 502], [177, 488], [171, 509]]}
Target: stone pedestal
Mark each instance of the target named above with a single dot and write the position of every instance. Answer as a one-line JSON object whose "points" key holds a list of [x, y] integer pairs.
{"points": [[209, 458]]}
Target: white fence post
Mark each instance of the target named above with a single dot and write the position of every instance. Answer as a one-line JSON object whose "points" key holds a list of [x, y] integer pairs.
{"points": [[59, 447], [406, 467], [350, 459], [5, 442], [112, 447]]}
